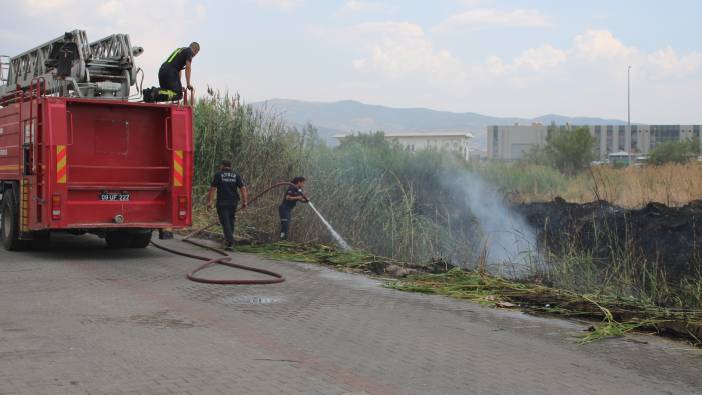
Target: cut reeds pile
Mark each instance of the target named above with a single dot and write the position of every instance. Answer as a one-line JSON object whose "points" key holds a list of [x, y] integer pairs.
{"points": [[618, 315]]}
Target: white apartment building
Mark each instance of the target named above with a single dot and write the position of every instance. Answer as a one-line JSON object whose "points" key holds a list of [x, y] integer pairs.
{"points": [[512, 142], [458, 142]]}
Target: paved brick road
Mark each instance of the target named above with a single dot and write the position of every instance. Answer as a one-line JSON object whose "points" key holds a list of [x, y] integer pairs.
{"points": [[81, 319]]}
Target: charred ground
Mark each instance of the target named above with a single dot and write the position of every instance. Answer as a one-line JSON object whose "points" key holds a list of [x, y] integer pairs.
{"points": [[668, 237]]}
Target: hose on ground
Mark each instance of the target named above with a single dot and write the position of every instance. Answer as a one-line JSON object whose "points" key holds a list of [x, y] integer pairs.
{"points": [[225, 259]]}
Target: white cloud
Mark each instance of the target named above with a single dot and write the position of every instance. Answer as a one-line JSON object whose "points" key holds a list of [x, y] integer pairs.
{"points": [[532, 60], [601, 49], [400, 49], [480, 18], [596, 45], [541, 58], [280, 4], [668, 63]]}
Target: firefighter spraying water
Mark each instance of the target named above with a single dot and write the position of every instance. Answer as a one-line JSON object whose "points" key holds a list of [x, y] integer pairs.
{"points": [[294, 194]]}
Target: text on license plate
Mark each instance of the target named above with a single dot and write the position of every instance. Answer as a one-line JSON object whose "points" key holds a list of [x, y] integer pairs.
{"points": [[114, 196]]}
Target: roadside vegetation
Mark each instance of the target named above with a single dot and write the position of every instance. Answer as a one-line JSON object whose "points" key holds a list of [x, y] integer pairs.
{"points": [[570, 152], [635, 186], [675, 152], [410, 207]]}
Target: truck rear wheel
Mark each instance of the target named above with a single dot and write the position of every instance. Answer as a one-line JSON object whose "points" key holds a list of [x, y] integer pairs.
{"points": [[9, 225], [140, 239], [118, 239], [128, 239]]}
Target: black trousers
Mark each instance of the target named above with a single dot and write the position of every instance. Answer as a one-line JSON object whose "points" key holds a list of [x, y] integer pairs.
{"points": [[285, 214], [168, 78], [227, 217]]}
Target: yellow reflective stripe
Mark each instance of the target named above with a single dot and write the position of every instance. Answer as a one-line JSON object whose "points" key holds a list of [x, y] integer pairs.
{"points": [[168, 93], [61, 161], [178, 168], [24, 205], [173, 55]]}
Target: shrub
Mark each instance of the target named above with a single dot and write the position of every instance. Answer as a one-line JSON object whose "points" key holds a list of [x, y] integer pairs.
{"points": [[570, 151], [674, 152]]}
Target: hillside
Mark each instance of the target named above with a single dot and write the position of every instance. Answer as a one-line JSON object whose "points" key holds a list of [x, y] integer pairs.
{"points": [[352, 116]]}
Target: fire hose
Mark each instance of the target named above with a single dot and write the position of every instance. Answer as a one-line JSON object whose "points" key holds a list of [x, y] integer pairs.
{"points": [[225, 259]]}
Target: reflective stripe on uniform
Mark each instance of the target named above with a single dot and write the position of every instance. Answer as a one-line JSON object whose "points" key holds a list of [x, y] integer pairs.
{"points": [[168, 93], [173, 55]]}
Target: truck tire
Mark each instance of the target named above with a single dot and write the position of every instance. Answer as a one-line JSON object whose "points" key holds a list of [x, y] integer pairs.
{"points": [[9, 225], [140, 239], [118, 239]]}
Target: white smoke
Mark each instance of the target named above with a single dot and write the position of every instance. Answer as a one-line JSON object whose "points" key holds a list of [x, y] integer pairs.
{"points": [[510, 242]]}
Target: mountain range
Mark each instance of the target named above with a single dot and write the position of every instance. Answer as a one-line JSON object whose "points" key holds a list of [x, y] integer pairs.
{"points": [[346, 116]]}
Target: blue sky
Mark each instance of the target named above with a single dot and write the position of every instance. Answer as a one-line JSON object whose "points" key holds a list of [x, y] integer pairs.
{"points": [[504, 58]]}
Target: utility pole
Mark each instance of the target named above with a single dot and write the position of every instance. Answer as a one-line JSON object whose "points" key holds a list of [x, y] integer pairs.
{"points": [[628, 97]]}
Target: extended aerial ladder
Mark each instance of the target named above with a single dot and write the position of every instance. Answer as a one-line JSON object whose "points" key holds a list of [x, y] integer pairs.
{"points": [[71, 66]]}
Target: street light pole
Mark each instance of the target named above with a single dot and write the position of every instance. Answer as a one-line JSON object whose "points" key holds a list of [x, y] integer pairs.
{"points": [[628, 97]]}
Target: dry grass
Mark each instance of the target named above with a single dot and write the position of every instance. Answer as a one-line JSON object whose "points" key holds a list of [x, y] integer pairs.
{"points": [[632, 187]]}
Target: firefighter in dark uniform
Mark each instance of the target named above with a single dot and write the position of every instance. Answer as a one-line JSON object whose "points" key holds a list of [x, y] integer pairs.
{"points": [[227, 182], [170, 72], [293, 195]]}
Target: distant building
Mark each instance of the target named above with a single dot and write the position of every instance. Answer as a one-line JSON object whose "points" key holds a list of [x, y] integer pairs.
{"points": [[512, 142], [477, 154], [639, 139], [458, 142]]}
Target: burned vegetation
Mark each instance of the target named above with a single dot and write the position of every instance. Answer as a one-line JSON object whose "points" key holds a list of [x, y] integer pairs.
{"points": [[655, 237]]}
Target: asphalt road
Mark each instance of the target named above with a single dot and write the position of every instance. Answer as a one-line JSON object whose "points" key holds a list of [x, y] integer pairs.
{"points": [[82, 319]]}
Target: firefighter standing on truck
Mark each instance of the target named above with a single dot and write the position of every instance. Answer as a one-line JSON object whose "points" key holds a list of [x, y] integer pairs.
{"points": [[293, 195], [170, 72], [227, 182]]}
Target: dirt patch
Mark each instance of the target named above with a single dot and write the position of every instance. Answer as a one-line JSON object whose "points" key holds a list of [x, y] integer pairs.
{"points": [[668, 236]]}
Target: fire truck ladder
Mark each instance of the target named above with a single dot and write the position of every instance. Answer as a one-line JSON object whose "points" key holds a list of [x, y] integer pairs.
{"points": [[4, 69], [71, 66]]}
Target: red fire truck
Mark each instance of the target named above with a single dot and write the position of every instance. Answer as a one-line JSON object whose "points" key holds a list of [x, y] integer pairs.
{"points": [[79, 155]]}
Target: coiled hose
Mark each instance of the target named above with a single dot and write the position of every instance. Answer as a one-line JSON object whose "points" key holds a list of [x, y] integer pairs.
{"points": [[225, 259]]}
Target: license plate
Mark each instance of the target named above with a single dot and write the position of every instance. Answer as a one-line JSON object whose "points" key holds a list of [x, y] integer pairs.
{"points": [[114, 196]]}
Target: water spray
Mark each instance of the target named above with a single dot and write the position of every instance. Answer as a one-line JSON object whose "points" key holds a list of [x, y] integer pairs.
{"points": [[339, 240]]}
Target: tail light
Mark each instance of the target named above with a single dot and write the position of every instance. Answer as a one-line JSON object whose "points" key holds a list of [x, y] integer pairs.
{"points": [[56, 207], [182, 207]]}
